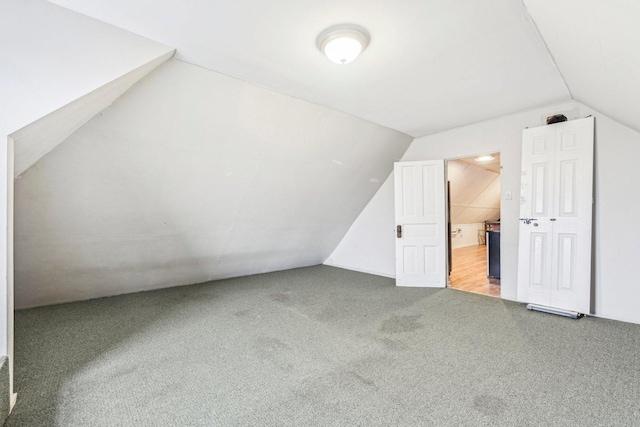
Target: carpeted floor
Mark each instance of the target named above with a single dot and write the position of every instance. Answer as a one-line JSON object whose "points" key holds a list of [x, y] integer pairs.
{"points": [[320, 346]]}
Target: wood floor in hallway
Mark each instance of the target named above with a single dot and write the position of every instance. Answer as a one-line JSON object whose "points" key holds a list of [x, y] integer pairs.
{"points": [[469, 272]]}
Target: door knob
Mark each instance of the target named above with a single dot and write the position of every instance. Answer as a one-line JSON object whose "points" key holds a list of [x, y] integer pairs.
{"points": [[528, 220], [535, 224]]}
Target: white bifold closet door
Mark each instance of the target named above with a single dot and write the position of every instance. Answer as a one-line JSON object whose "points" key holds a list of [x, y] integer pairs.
{"points": [[556, 205], [421, 227]]}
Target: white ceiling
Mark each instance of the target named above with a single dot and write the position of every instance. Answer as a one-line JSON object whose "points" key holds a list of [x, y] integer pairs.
{"points": [[474, 192], [50, 57], [596, 45], [492, 165], [431, 65]]}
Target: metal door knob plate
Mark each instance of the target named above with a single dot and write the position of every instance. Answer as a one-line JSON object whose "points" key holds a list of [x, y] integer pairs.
{"points": [[528, 220]]}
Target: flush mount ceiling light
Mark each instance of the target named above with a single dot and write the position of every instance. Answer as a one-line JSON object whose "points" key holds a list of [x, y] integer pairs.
{"points": [[343, 43], [486, 158]]}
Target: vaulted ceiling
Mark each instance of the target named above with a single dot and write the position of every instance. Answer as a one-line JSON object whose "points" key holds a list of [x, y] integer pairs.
{"points": [[213, 175], [430, 66], [50, 57], [474, 190], [596, 45]]}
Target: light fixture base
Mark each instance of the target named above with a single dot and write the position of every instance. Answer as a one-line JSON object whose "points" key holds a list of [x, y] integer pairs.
{"points": [[351, 32]]}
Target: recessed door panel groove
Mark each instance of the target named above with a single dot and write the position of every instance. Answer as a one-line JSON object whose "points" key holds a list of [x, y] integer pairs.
{"points": [[566, 261], [538, 255], [410, 260], [420, 230], [540, 145], [568, 184], [539, 189], [568, 141], [430, 259], [428, 181], [408, 193]]}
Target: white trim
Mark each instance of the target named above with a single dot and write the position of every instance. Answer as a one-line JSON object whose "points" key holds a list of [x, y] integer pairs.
{"points": [[360, 270], [616, 318]]}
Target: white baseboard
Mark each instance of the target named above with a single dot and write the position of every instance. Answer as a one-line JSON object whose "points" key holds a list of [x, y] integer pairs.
{"points": [[360, 270], [616, 318]]}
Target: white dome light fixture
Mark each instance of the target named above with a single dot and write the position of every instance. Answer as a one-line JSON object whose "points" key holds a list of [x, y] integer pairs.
{"points": [[343, 43], [485, 158]]}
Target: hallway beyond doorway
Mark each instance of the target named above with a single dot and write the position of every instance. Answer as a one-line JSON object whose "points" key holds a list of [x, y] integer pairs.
{"points": [[470, 272]]}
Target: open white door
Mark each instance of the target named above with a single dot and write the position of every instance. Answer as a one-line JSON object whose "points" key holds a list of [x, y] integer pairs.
{"points": [[421, 251], [554, 258]]}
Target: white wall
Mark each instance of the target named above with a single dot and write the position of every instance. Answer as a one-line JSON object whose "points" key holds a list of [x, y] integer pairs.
{"points": [[617, 291], [502, 135], [192, 176], [467, 235], [38, 138], [49, 57], [617, 149], [369, 245]]}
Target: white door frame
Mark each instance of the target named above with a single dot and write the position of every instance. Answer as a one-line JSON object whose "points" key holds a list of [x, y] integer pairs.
{"points": [[446, 202], [446, 171]]}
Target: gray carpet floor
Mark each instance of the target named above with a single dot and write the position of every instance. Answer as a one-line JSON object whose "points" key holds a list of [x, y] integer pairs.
{"points": [[320, 346]]}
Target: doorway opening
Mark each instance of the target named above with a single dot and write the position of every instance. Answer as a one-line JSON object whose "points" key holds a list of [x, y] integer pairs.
{"points": [[473, 187]]}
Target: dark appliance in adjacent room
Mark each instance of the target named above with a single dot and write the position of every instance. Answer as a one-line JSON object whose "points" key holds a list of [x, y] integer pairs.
{"points": [[493, 249]]}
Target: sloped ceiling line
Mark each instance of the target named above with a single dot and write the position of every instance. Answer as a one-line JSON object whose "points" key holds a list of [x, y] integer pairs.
{"points": [[420, 75], [471, 205], [471, 183], [40, 137], [594, 44], [544, 42]]}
